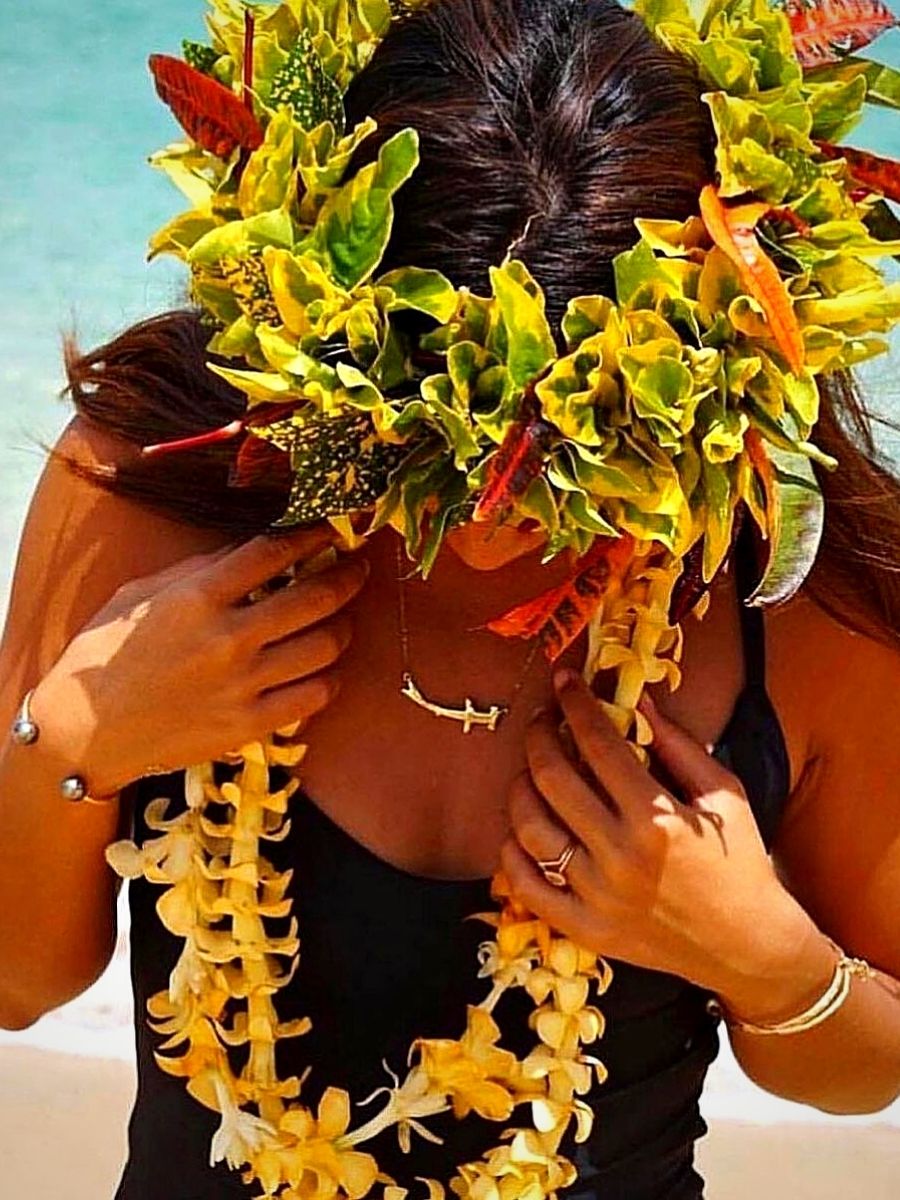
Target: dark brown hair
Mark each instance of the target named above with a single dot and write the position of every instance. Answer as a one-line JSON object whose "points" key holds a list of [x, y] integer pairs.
{"points": [[544, 124]]}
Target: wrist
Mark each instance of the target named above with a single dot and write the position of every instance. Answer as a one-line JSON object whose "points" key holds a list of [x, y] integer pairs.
{"points": [[66, 738], [792, 969]]}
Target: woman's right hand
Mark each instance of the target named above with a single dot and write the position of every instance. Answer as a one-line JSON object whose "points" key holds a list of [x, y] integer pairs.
{"points": [[178, 668]]}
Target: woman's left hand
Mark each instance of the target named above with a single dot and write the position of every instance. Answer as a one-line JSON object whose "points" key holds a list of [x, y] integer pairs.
{"points": [[682, 887]]}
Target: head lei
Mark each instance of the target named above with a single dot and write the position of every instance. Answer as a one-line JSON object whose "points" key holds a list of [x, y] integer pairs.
{"points": [[687, 398]]}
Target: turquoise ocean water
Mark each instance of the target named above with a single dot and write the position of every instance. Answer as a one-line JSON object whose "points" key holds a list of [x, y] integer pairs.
{"points": [[77, 202]]}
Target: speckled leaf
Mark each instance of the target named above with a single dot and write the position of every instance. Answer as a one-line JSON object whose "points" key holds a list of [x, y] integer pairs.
{"points": [[200, 57], [340, 465], [304, 84]]}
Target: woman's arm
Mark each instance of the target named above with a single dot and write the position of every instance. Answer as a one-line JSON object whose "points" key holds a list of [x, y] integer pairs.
{"points": [[140, 651], [57, 895], [688, 888], [838, 853]]}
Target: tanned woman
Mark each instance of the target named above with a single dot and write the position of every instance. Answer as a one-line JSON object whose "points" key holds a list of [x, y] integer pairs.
{"points": [[473, 622]]}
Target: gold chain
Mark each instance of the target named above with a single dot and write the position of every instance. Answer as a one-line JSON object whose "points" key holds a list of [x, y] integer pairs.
{"points": [[469, 715]]}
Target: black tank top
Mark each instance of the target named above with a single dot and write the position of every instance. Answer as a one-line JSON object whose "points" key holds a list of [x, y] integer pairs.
{"points": [[386, 956]]}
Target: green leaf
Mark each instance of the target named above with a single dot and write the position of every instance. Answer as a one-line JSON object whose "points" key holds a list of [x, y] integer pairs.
{"points": [[355, 224], [585, 316], [637, 269], [181, 233], [836, 106], [530, 344], [238, 238], [340, 466], [719, 505], [724, 439], [798, 528], [268, 180], [587, 516], [422, 290], [882, 81], [438, 394], [577, 392], [201, 58], [304, 84]]}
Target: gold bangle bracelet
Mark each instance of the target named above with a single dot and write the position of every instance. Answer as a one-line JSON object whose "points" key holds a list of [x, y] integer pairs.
{"points": [[845, 970]]}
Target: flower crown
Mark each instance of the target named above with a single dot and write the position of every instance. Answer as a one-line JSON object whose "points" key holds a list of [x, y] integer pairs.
{"points": [[695, 389]]}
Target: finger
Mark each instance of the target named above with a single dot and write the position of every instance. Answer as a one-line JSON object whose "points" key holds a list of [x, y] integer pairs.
{"points": [[539, 834], [559, 907], [230, 579], [573, 800], [298, 657], [306, 602], [688, 762], [284, 706], [603, 748]]}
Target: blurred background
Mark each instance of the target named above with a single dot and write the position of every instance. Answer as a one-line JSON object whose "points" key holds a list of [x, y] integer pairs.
{"points": [[77, 204]]}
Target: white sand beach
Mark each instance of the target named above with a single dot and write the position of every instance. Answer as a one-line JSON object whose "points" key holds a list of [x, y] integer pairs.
{"points": [[64, 1116]]}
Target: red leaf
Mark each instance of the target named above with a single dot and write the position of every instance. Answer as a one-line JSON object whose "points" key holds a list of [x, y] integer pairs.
{"points": [[560, 615], [880, 174], [825, 31], [732, 227], [207, 111], [512, 467]]}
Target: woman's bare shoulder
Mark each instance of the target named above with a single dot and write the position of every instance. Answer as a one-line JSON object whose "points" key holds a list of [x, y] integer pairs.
{"points": [[818, 662], [825, 678], [79, 543]]}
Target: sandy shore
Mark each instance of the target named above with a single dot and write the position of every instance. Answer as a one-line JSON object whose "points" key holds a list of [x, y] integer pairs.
{"points": [[63, 1138]]}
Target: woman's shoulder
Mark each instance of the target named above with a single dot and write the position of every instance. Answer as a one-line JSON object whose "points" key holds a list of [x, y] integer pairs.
{"points": [[79, 543], [836, 690]]}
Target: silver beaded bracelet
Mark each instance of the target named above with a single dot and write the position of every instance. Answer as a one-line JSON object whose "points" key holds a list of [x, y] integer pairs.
{"points": [[26, 731]]}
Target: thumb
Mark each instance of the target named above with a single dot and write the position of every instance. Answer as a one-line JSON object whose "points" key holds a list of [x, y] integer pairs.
{"points": [[688, 762]]}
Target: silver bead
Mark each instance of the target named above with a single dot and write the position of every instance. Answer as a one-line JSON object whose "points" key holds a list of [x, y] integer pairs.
{"points": [[73, 787], [24, 731]]}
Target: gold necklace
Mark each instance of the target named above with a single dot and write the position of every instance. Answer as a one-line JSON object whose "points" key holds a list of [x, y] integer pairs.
{"points": [[468, 714]]}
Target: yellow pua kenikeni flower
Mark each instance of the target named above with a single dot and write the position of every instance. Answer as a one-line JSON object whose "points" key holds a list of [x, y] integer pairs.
{"points": [[473, 1071]]}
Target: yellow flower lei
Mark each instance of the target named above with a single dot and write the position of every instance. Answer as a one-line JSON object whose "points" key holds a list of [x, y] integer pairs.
{"points": [[276, 301]]}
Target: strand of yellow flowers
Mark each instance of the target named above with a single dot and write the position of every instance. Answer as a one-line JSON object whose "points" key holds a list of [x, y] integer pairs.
{"points": [[216, 870]]}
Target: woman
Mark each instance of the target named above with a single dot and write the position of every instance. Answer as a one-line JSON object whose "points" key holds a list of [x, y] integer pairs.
{"points": [[550, 126]]}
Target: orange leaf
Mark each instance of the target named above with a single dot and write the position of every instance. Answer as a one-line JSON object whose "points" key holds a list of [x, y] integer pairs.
{"points": [[559, 615], [824, 31], [732, 227], [880, 174], [765, 469], [206, 110]]}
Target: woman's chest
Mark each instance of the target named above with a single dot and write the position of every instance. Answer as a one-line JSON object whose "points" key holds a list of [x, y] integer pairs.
{"points": [[426, 796]]}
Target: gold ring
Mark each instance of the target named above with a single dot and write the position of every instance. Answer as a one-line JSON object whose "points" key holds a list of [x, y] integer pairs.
{"points": [[554, 869]]}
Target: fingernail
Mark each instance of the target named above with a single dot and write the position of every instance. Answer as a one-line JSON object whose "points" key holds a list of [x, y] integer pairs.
{"points": [[646, 705], [565, 678], [540, 711]]}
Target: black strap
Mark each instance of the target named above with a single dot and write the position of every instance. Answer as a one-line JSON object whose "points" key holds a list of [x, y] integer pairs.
{"points": [[753, 631]]}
